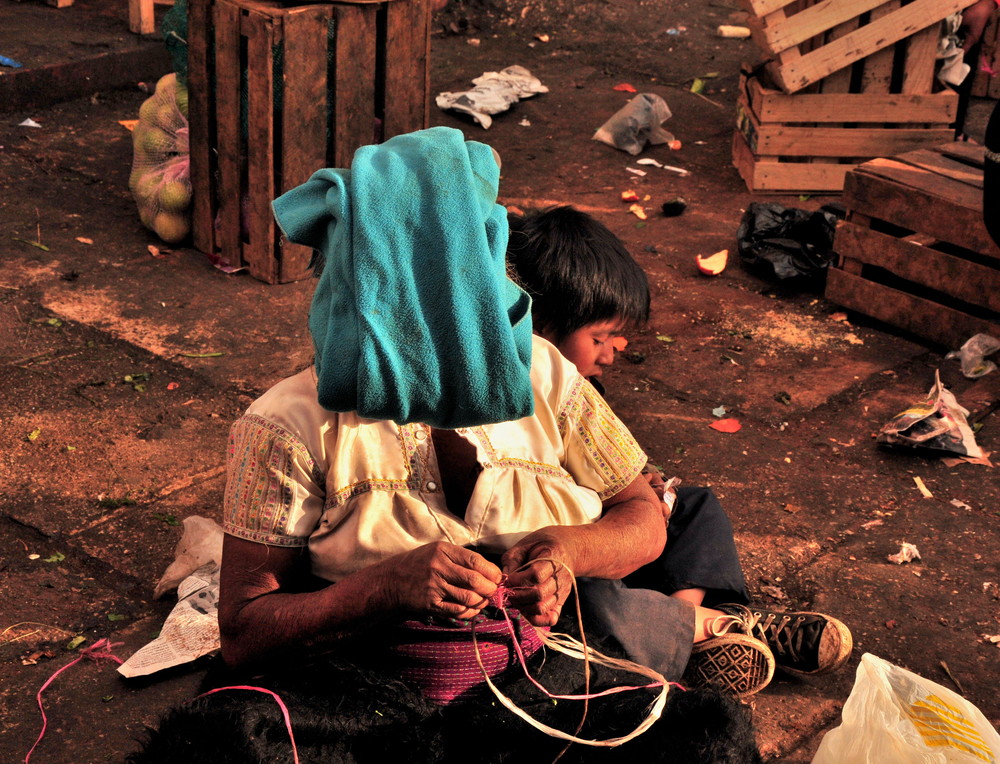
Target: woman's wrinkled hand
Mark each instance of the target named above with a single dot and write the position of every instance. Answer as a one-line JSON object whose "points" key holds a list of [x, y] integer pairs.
{"points": [[443, 580], [538, 577]]}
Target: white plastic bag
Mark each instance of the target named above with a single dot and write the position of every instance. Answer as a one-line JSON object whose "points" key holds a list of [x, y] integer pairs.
{"points": [[894, 716]]}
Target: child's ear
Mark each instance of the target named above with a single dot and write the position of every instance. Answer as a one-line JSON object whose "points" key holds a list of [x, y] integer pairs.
{"points": [[496, 157]]}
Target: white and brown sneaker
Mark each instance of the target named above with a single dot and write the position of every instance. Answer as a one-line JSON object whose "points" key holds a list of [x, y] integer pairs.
{"points": [[734, 662], [802, 642]]}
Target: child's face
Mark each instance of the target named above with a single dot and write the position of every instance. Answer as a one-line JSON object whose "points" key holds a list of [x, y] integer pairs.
{"points": [[590, 347]]}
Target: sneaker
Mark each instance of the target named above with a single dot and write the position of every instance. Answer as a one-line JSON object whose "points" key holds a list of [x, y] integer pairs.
{"points": [[802, 642], [738, 664]]}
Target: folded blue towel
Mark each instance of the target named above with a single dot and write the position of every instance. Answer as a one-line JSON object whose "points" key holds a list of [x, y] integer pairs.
{"points": [[414, 318]]}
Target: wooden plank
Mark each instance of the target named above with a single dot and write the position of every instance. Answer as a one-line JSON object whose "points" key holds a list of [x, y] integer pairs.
{"points": [[955, 276], [840, 80], [872, 37], [780, 140], [354, 85], [306, 140], [876, 74], [919, 62], [924, 318], [762, 174], [227, 108], [939, 164], [258, 250], [917, 200], [962, 151], [812, 21], [761, 8], [771, 105], [141, 19], [407, 69], [201, 136]]}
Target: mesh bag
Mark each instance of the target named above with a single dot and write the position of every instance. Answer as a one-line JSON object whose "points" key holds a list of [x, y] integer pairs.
{"points": [[160, 179]]}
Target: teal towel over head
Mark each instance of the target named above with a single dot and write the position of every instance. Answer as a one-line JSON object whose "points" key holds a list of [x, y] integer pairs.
{"points": [[414, 318]]}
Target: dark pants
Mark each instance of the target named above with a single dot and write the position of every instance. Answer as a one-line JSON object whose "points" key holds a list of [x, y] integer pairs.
{"points": [[652, 628]]}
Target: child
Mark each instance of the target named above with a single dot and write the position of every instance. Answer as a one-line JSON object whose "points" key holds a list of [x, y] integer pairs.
{"points": [[587, 290]]}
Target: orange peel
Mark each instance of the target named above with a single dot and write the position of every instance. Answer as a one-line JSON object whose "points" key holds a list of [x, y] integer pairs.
{"points": [[713, 265]]}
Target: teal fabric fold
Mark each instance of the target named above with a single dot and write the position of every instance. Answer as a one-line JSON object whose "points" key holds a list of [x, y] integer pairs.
{"points": [[414, 318]]}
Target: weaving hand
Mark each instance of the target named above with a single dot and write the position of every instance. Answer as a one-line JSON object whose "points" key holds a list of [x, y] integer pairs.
{"points": [[537, 578], [444, 580]]}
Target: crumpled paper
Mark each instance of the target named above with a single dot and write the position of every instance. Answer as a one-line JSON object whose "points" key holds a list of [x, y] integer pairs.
{"points": [[493, 93], [937, 423]]}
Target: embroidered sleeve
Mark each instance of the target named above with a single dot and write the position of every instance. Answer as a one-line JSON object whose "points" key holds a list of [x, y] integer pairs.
{"points": [[274, 490], [600, 451]]}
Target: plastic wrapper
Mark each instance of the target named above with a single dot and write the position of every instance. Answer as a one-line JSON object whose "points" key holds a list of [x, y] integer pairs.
{"points": [[894, 715], [937, 423], [637, 123], [160, 180], [787, 242], [973, 355], [493, 93]]}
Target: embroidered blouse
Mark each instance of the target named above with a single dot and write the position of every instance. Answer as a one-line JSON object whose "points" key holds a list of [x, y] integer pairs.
{"points": [[356, 491]]}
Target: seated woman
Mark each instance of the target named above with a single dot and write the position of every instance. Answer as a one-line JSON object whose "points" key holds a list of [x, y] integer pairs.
{"points": [[438, 467], [586, 290]]}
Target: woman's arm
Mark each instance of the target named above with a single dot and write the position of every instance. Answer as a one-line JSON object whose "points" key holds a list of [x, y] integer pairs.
{"points": [[262, 609], [629, 534]]}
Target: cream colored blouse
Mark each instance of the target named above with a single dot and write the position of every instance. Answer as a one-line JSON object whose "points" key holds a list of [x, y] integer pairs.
{"points": [[357, 491]]}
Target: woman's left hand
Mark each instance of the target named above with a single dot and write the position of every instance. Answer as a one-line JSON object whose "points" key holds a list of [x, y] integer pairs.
{"points": [[537, 575]]}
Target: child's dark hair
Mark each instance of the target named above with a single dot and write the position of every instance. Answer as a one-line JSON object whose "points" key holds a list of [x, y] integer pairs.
{"points": [[576, 271]]}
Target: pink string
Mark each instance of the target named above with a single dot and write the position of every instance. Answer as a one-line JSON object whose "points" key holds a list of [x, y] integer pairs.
{"points": [[99, 651], [277, 698]]}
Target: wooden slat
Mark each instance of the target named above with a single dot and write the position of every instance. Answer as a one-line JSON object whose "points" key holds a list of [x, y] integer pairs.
{"points": [[306, 140], [354, 85], [228, 67], [763, 175], [938, 163], [200, 83], [924, 318], [876, 74], [918, 200], [779, 140], [840, 80], [918, 69], [765, 7], [771, 105], [868, 39], [407, 77], [968, 153], [955, 276], [812, 21], [258, 251]]}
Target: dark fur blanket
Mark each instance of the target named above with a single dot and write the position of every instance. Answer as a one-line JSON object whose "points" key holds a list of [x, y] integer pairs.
{"points": [[346, 714]]}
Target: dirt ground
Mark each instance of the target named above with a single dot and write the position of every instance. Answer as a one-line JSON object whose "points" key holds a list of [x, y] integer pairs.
{"points": [[122, 371]]}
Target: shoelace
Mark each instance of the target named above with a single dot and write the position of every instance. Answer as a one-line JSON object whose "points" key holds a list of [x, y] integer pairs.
{"points": [[772, 633]]}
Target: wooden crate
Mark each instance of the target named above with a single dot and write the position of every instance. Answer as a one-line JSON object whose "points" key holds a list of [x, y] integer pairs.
{"points": [[808, 142], [277, 92], [914, 251], [808, 41]]}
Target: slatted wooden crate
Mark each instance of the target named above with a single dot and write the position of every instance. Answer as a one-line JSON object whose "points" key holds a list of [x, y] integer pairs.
{"points": [[808, 142], [914, 251], [809, 41], [277, 92]]}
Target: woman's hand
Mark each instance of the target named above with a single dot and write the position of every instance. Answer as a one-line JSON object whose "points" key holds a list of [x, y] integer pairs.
{"points": [[537, 575], [441, 579]]}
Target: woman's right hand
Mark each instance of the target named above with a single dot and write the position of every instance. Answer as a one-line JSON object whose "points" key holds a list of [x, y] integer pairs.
{"points": [[442, 579]]}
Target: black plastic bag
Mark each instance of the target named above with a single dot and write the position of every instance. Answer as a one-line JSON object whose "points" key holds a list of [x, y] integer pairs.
{"points": [[787, 242]]}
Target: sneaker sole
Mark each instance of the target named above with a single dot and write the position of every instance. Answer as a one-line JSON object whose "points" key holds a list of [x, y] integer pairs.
{"points": [[735, 663]]}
